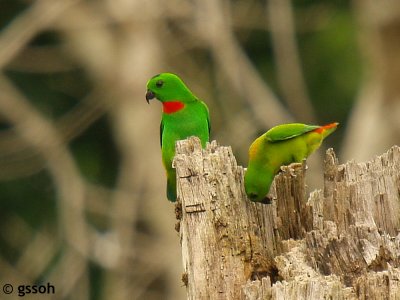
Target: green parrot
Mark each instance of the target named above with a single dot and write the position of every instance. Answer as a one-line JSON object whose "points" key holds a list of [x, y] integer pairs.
{"points": [[184, 115], [281, 145]]}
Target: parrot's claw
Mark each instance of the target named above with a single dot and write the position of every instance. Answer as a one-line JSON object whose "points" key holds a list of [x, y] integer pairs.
{"points": [[283, 169], [297, 165], [293, 167]]}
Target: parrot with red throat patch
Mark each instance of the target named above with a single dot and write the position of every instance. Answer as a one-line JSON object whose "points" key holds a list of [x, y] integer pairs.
{"points": [[281, 145], [184, 115]]}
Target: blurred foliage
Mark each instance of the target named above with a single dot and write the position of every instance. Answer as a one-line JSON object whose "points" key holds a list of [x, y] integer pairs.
{"points": [[328, 47], [331, 62]]}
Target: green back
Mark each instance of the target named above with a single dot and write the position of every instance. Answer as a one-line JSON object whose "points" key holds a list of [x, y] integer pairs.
{"points": [[288, 131]]}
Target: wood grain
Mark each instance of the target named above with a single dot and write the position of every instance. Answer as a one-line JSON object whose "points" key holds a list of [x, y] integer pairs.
{"points": [[342, 242]]}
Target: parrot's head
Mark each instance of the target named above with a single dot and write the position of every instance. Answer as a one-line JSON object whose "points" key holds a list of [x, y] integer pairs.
{"points": [[167, 87], [256, 186], [258, 178]]}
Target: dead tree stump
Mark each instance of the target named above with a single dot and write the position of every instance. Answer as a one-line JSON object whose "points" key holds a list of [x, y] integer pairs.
{"points": [[342, 242]]}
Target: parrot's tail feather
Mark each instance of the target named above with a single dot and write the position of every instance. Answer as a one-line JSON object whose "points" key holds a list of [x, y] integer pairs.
{"points": [[326, 127], [326, 130], [171, 192]]}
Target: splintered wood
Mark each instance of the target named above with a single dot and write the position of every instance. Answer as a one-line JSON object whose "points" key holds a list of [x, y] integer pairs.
{"points": [[342, 242]]}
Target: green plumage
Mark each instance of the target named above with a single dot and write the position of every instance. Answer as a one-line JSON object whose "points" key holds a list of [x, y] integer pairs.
{"points": [[184, 115], [288, 131], [281, 145]]}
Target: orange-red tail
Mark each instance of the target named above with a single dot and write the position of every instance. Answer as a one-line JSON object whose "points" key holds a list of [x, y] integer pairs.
{"points": [[327, 127]]}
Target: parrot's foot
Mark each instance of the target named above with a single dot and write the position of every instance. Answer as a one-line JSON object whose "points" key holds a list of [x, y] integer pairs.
{"points": [[292, 168], [296, 165]]}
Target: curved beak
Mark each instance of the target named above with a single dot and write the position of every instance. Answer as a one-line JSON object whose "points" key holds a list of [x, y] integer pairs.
{"points": [[149, 95]]}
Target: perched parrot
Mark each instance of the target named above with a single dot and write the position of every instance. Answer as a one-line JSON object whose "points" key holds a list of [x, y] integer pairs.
{"points": [[184, 115], [281, 145]]}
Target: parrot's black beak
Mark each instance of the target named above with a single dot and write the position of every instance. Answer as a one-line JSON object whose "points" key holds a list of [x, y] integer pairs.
{"points": [[149, 95]]}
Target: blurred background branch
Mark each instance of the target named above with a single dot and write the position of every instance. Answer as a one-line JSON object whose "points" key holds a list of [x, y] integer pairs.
{"points": [[290, 78], [82, 188], [28, 24]]}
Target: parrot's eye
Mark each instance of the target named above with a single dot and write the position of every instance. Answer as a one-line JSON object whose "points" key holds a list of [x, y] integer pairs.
{"points": [[159, 83]]}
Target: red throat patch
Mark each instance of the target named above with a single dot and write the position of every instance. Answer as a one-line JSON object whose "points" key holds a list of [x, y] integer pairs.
{"points": [[172, 106]]}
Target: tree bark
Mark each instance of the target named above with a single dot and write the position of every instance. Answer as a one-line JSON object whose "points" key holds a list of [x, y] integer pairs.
{"points": [[342, 242]]}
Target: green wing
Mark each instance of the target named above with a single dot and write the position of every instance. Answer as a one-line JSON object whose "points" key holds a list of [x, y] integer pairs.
{"points": [[288, 131], [161, 131], [208, 118]]}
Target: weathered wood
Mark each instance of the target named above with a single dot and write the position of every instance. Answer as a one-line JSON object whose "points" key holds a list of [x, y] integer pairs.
{"points": [[341, 243]]}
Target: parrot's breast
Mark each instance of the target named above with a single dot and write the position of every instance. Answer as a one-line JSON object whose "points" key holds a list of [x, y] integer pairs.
{"points": [[189, 119]]}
